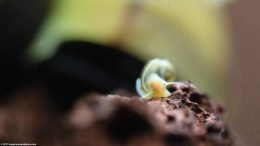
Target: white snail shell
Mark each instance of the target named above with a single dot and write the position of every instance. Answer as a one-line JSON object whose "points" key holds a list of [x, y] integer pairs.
{"points": [[154, 78]]}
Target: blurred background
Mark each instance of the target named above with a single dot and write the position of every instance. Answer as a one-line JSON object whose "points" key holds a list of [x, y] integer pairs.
{"points": [[70, 48]]}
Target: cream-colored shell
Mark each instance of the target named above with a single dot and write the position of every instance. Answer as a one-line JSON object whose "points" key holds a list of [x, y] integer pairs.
{"points": [[155, 76]]}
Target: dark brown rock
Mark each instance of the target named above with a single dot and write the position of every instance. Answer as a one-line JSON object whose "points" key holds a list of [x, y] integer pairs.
{"points": [[186, 118]]}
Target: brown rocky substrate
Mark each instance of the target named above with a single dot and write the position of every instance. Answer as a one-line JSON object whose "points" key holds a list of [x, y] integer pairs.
{"points": [[186, 118]]}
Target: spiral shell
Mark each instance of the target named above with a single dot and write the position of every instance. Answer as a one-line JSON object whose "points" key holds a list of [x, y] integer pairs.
{"points": [[154, 78]]}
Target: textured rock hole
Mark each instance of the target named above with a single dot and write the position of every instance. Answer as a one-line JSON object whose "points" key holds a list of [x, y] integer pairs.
{"points": [[220, 109], [207, 115], [171, 88], [187, 90], [196, 109], [195, 97], [212, 129], [171, 119], [225, 133], [177, 140], [125, 123], [186, 114]]}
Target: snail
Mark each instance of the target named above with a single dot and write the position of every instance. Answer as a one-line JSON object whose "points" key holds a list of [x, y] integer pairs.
{"points": [[157, 80]]}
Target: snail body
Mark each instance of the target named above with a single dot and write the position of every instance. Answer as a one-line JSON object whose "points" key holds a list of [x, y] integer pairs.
{"points": [[156, 75]]}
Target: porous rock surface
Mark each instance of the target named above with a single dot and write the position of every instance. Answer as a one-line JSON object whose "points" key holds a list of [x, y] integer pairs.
{"points": [[186, 118]]}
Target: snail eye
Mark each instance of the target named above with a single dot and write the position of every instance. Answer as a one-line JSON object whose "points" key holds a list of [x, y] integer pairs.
{"points": [[171, 88]]}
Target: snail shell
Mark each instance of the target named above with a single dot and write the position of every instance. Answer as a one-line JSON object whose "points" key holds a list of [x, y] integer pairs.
{"points": [[155, 75]]}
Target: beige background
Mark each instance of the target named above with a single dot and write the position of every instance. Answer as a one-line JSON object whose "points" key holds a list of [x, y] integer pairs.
{"points": [[245, 70]]}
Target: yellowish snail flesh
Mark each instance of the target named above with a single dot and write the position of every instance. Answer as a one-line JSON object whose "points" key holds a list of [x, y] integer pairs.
{"points": [[156, 77]]}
